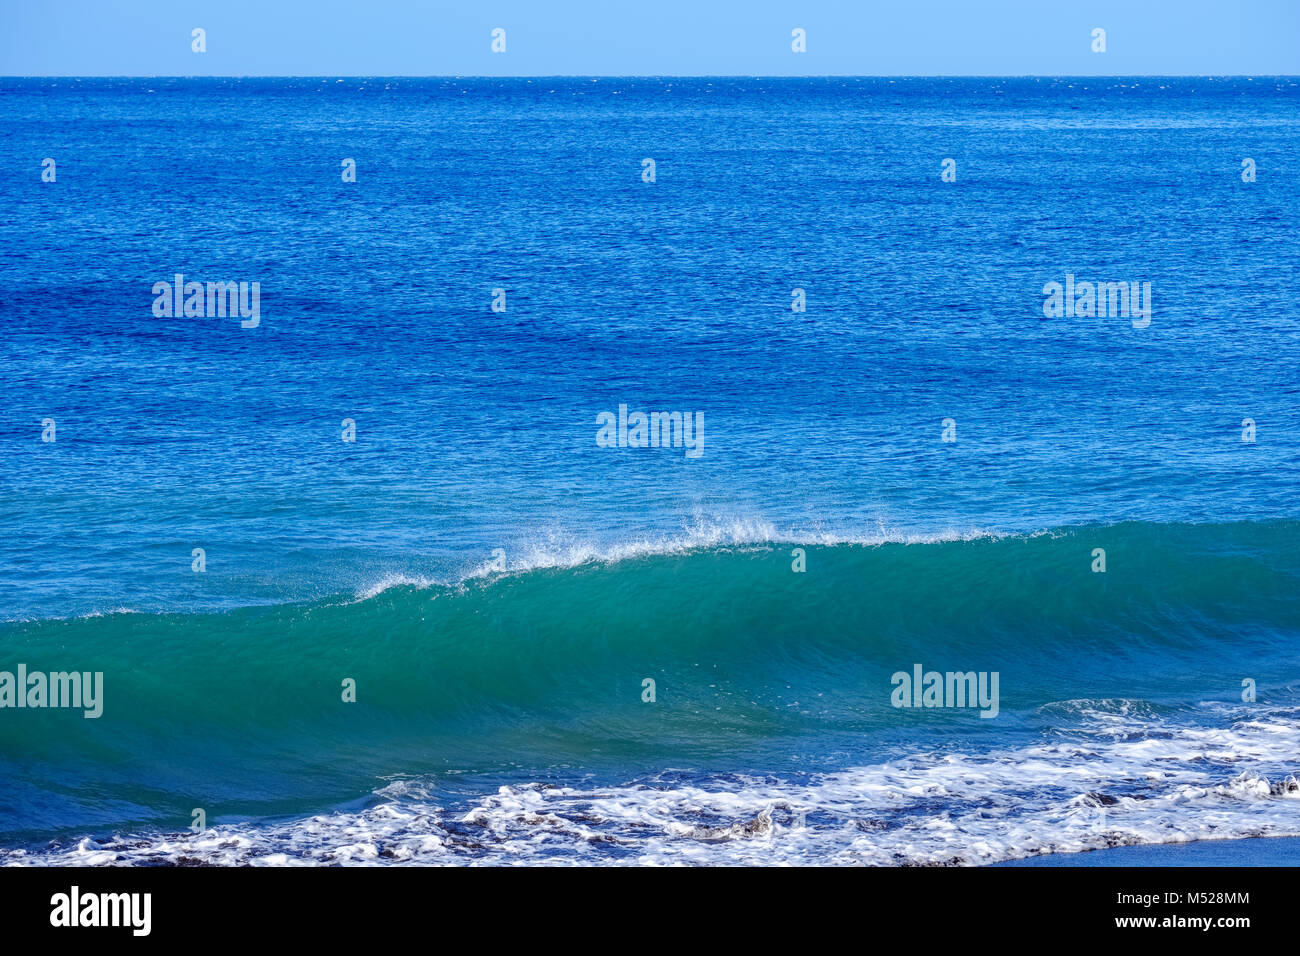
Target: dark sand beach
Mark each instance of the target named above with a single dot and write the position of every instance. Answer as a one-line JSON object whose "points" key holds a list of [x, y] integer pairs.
{"points": [[1275, 851]]}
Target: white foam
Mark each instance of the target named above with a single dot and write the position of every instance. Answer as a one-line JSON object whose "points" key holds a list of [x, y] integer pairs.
{"points": [[82, 616], [395, 581], [557, 550], [1124, 776]]}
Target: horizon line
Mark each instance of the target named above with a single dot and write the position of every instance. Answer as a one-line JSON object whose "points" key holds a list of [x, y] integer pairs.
{"points": [[648, 76]]}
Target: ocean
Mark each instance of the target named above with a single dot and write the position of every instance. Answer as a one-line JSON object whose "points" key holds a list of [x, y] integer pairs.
{"points": [[391, 559]]}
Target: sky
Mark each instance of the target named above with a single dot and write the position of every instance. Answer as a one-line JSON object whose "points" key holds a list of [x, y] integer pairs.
{"points": [[648, 38]]}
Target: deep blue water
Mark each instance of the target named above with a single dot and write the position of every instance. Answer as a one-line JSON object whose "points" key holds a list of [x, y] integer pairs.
{"points": [[476, 430]]}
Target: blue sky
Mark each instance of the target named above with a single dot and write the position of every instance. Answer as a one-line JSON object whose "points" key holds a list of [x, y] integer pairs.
{"points": [[657, 37]]}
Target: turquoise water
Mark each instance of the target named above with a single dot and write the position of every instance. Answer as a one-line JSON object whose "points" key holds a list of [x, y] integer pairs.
{"points": [[499, 587]]}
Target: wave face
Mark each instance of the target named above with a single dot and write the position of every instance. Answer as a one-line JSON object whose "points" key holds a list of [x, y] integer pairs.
{"points": [[503, 719]]}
